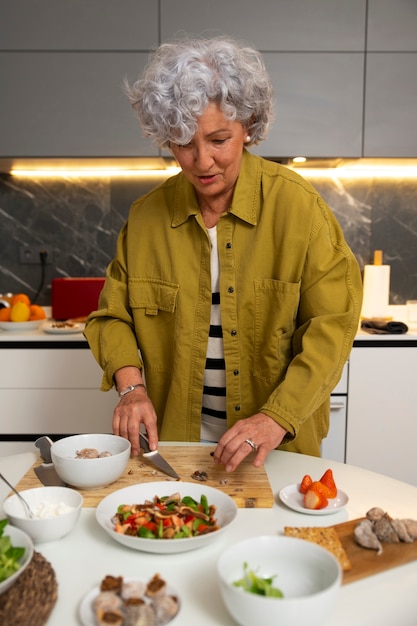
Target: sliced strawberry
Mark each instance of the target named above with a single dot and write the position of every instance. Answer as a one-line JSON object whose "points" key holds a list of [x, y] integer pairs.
{"points": [[328, 480], [314, 499], [305, 483], [320, 488]]}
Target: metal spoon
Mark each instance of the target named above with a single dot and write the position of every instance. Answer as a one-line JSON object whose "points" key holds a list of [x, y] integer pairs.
{"points": [[28, 510]]}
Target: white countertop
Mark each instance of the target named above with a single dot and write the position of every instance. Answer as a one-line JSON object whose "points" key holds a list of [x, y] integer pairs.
{"points": [[398, 313], [84, 557]]}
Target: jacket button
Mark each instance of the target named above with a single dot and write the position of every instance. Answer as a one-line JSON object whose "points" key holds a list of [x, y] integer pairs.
{"points": [[233, 333], [236, 372], [237, 408], [230, 290], [228, 245]]}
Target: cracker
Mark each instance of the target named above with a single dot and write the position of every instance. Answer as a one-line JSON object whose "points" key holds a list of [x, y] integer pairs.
{"points": [[325, 537]]}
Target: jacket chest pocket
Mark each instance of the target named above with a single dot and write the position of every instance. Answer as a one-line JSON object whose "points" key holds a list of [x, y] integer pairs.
{"points": [[276, 306], [154, 307]]}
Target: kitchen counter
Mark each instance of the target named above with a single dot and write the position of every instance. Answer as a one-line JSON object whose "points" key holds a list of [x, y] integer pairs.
{"points": [[35, 338], [85, 556]]}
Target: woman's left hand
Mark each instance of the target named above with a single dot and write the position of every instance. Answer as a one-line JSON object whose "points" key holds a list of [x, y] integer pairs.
{"points": [[260, 429]]}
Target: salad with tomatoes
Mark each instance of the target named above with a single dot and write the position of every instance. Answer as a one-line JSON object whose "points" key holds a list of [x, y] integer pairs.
{"points": [[167, 517]]}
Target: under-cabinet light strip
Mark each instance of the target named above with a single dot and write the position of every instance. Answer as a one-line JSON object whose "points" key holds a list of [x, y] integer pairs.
{"points": [[331, 172], [92, 172]]}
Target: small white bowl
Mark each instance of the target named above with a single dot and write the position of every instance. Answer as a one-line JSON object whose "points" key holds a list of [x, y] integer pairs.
{"points": [[308, 576], [19, 539], [90, 473], [48, 528]]}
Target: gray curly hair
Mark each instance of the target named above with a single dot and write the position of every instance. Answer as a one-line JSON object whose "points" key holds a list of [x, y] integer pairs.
{"points": [[183, 77]]}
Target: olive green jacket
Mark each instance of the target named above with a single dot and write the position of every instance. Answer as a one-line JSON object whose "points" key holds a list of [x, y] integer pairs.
{"points": [[290, 292]]}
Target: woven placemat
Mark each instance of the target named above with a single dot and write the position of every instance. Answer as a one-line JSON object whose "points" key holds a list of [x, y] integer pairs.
{"points": [[30, 600]]}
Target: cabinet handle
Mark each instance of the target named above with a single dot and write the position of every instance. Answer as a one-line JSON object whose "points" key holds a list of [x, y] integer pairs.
{"points": [[336, 406]]}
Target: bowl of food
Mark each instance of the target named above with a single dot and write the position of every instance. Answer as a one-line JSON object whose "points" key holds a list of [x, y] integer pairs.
{"points": [[90, 461], [283, 579], [16, 552], [165, 517], [56, 511]]}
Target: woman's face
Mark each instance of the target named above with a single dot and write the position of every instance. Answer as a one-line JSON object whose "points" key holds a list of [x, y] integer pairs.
{"points": [[211, 161]]}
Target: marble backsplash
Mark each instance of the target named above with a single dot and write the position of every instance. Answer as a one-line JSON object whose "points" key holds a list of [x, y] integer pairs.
{"points": [[79, 219]]}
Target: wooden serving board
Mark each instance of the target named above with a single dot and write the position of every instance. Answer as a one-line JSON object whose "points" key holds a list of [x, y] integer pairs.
{"points": [[367, 562], [247, 485]]}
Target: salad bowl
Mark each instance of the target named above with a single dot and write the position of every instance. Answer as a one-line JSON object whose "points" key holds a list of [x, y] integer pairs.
{"points": [[225, 514]]}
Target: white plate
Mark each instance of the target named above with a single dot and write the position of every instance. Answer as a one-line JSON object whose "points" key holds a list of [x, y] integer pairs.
{"points": [[226, 511], [86, 610], [19, 539], [51, 329], [292, 498], [21, 325]]}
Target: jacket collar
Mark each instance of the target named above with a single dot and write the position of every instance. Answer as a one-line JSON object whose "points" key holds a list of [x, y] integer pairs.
{"points": [[246, 198]]}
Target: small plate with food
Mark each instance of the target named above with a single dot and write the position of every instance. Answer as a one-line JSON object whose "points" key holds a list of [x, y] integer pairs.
{"points": [[63, 328], [119, 600], [165, 517], [292, 497]]}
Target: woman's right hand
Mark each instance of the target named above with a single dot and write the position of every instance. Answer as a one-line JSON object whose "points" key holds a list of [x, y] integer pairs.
{"points": [[134, 409]]}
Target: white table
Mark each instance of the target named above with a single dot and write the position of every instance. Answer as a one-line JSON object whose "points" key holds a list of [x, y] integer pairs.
{"points": [[84, 557]]}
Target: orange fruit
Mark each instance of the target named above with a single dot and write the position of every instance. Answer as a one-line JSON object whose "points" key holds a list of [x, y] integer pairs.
{"points": [[19, 312], [20, 297], [36, 313], [5, 314]]}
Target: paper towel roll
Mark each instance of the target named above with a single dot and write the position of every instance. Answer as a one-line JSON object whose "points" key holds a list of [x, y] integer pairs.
{"points": [[376, 284]]}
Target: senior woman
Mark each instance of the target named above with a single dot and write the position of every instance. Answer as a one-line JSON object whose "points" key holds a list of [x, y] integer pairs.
{"points": [[232, 291]]}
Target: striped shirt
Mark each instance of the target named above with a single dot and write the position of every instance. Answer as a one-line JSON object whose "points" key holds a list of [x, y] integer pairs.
{"points": [[213, 412]]}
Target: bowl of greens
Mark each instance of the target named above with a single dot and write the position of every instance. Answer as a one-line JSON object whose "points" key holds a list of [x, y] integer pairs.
{"points": [[16, 552], [278, 580]]}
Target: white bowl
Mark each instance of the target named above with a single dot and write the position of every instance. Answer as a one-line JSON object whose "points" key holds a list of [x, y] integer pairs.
{"points": [[226, 511], [50, 528], [308, 576], [90, 473], [19, 539]]}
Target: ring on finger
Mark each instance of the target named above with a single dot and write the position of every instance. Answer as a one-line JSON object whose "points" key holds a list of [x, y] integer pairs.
{"points": [[252, 444]]}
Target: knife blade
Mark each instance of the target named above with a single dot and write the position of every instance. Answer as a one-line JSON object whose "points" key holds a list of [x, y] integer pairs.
{"points": [[47, 472], [156, 458], [48, 476]]}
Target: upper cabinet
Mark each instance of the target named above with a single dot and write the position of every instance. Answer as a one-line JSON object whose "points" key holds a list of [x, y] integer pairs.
{"points": [[392, 26], [70, 105], [314, 51], [344, 74], [390, 128], [391, 104], [271, 25], [318, 105], [81, 25], [62, 67]]}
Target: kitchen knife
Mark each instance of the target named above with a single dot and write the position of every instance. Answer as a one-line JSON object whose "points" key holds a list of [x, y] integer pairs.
{"points": [[47, 472], [155, 457]]}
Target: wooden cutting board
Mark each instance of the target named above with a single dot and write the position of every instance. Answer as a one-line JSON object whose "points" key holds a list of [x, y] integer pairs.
{"points": [[367, 562], [248, 486]]}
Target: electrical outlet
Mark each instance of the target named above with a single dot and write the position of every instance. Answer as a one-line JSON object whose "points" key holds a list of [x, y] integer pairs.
{"points": [[30, 255]]}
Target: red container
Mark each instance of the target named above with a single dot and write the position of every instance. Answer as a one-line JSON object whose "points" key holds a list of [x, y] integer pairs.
{"points": [[75, 297]]}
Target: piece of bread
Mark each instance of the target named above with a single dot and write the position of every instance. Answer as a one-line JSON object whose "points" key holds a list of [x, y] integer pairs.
{"points": [[325, 537]]}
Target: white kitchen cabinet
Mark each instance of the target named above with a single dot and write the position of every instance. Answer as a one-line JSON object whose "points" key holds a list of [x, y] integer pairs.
{"points": [[382, 410], [390, 128], [52, 391]]}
